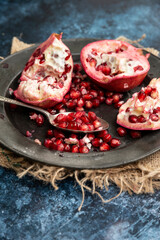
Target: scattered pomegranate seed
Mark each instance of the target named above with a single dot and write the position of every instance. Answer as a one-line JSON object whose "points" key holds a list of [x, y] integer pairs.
{"points": [[115, 142], [96, 142], [91, 136], [67, 147], [135, 134], [48, 143], [107, 138], [102, 133], [58, 134], [77, 67], [118, 104], [109, 100], [88, 104], [115, 98], [133, 119], [96, 102], [104, 147], [154, 117], [75, 94], [74, 149], [28, 134], [50, 133], [141, 119], [39, 120], [83, 149], [60, 147], [148, 90], [141, 96], [121, 131]]}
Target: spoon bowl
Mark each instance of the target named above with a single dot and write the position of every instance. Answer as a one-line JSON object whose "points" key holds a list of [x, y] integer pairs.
{"points": [[104, 124]]}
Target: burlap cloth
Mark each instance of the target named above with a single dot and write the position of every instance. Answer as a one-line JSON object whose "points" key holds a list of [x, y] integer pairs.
{"points": [[140, 177]]}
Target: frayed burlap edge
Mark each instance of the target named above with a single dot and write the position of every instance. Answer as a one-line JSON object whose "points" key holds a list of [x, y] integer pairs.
{"points": [[140, 177]]}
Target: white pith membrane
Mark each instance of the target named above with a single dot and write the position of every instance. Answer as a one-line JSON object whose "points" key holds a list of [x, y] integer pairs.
{"points": [[146, 108], [45, 79], [116, 57]]}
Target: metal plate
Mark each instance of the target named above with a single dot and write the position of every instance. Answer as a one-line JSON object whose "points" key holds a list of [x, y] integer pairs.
{"points": [[14, 123]]}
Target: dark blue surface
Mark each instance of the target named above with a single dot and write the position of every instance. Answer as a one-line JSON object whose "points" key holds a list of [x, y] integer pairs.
{"points": [[30, 209]]}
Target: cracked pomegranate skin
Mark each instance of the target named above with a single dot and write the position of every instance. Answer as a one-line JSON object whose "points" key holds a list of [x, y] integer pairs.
{"points": [[47, 75], [142, 110], [114, 65]]}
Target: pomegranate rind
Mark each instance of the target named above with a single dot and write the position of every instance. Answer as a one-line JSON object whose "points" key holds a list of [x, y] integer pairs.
{"points": [[43, 97], [138, 108], [121, 82]]}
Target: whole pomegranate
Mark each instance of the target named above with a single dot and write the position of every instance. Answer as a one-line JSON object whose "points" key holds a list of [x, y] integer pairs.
{"points": [[114, 65], [142, 111], [47, 75]]}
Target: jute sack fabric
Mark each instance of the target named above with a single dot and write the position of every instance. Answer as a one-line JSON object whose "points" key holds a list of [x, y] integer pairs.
{"points": [[140, 177]]}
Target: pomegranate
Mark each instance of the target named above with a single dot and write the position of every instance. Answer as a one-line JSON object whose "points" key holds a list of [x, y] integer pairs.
{"points": [[142, 110], [47, 75], [114, 65]]}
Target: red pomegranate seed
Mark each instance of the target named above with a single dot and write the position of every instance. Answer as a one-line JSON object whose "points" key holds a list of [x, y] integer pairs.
{"points": [[68, 54], [58, 134], [59, 106], [92, 116], [62, 124], [100, 93], [133, 119], [83, 127], [104, 147], [90, 127], [73, 135], [74, 94], [154, 117], [60, 118], [79, 109], [107, 138], [115, 98], [109, 100], [58, 141], [92, 62], [83, 149], [109, 94], [28, 134], [121, 131], [77, 67], [141, 96], [141, 119], [140, 68], [96, 124], [67, 147], [135, 134], [39, 120], [88, 104], [101, 134], [48, 143], [101, 98], [67, 68], [74, 149], [60, 147], [50, 133], [80, 102], [81, 142], [148, 90], [91, 136], [94, 93], [128, 109], [87, 97], [70, 104], [119, 104], [96, 142], [115, 142], [96, 102], [154, 93]]}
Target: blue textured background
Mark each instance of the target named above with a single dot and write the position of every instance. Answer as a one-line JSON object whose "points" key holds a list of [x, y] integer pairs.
{"points": [[30, 209]]}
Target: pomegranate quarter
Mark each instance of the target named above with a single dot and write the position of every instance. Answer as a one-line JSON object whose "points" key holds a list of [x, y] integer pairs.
{"points": [[142, 111], [47, 75], [114, 65]]}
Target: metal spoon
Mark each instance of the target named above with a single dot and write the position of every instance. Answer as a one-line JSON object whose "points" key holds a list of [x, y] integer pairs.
{"points": [[104, 124]]}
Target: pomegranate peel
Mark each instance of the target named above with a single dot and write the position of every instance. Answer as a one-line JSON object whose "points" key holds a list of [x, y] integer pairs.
{"points": [[142, 111], [114, 65], [47, 75]]}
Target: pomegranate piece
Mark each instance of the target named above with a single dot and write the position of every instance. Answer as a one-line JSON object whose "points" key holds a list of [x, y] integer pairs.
{"points": [[141, 111], [47, 75], [114, 65]]}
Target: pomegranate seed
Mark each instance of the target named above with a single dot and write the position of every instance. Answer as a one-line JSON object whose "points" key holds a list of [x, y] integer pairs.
{"points": [[67, 68], [139, 68], [115, 142], [92, 116], [60, 118], [67, 147], [83, 149], [96, 124], [101, 98], [28, 134], [101, 134], [80, 102], [133, 119], [92, 62], [94, 93], [148, 90], [83, 91], [74, 136], [50, 133], [74, 149], [85, 119], [58, 134], [96, 142], [79, 114], [141, 96], [119, 104], [104, 147], [79, 109], [39, 120], [109, 100], [60, 147], [62, 124], [121, 131], [51, 111], [81, 142], [107, 138], [84, 127], [128, 109], [87, 97], [69, 54], [154, 117], [47, 143], [59, 106], [77, 67], [141, 119], [135, 134], [88, 104], [70, 104], [90, 127], [74, 94], [58, 141], [91, 136], [96, 102], [115, 98], [109, 94]]}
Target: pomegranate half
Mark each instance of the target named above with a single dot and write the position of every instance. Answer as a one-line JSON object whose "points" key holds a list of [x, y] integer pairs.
{"points": [[142, 111], [47, 75], [114, 65]]}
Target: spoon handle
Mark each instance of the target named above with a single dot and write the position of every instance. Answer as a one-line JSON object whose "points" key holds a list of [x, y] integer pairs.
{"points": [[12, 101]]}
